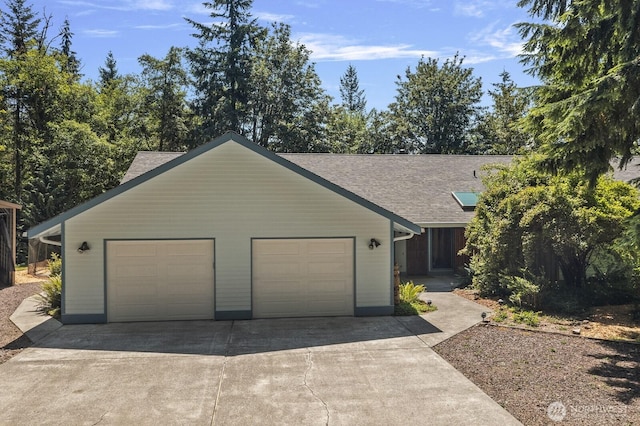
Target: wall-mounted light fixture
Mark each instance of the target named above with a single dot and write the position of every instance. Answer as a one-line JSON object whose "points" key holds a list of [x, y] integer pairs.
{"points": [[83, 247], [373, 243]]}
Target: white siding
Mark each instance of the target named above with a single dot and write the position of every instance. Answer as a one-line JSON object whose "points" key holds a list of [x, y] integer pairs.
{"points": [[401, 255], [232, 194]]}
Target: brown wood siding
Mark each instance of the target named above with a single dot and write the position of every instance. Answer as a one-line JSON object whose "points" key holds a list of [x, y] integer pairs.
{"points": [[459, 241], [417, 255]]}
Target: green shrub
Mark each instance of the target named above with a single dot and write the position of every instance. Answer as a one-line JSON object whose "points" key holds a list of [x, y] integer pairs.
{"points": [[409, 292], [529, 318], [523, 291], [414, 308], [405, 309], [55, 264], [51, 296], [501, 315]]}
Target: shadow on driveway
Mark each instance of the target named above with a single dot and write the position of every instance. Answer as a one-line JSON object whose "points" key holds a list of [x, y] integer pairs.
{"points": [[240, 337]]}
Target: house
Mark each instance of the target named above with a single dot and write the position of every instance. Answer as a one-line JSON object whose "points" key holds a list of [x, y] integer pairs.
{"points": [[8, 219], [228, 230], [428, 190]]}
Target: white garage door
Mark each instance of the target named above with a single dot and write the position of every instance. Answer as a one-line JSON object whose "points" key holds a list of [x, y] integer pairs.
{"points": [[160, 280], [302, 277]]}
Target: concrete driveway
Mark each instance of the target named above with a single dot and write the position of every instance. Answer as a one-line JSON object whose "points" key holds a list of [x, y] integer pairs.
{"points": [[291, 371]]}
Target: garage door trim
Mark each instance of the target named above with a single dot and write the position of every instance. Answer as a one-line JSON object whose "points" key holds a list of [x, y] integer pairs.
{"points": [[105, 254], [354, 260]]}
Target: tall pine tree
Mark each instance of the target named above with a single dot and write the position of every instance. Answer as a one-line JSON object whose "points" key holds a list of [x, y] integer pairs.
{"points": [[586, 55], [70, 63], [110, 71], [18, 30], [353, 98], [221, 66]]}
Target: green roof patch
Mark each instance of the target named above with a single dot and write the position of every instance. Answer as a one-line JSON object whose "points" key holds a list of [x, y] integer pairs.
{"points": [[467, 200]]}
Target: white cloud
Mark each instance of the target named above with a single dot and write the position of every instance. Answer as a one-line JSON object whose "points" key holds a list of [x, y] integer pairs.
{"points": [[160, 27], [505, 42], [198, 9], [272, 17], [122, 5], [330, 47], [479, 8], [100, 33], [153, 5]]}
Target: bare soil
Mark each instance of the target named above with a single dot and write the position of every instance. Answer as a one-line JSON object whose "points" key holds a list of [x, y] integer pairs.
{"points": [[596, 382], [591, 378], [12, 341]]}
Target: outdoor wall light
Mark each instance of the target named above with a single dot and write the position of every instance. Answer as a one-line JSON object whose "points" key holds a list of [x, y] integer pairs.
{"points": [[83, 247], [373, 244]]}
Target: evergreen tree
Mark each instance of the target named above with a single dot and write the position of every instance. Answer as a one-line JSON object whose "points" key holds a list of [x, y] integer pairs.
{"points": [[501, 129], [165, 99], [287, 105], [586, 55], [18, 30], [18, 27], [110, 71], [353, 98], [70, 64], [436, 106], [221, 66]]}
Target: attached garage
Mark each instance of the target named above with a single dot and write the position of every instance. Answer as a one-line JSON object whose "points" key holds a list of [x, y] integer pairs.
{"points": [[288, 243], [302, 277], [155, 280]]}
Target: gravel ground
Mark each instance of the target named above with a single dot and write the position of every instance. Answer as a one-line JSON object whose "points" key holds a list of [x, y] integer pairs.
{"points": [[12, 341], [542, 377]]}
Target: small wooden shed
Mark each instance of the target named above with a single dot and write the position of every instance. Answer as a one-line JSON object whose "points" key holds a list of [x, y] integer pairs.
{"points": [[8, 226]]}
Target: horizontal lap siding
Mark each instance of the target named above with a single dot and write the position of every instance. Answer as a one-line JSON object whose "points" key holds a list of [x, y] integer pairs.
{"points": [[231, 194]]}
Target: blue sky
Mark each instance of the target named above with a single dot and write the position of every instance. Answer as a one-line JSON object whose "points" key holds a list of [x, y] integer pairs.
{"points": [[381, 38]]}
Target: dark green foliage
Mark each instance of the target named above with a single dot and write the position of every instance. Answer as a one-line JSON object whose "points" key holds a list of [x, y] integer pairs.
{"points": [[527, 221], [287, 106], [109, 72], [70, 62], [436, 106], [353, 98], [500, 129], [18, 27], [221, 65], [586, 55], [165, 99]]}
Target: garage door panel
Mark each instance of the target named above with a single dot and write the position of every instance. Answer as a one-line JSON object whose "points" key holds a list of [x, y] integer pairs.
{"points": [[328, 247], [302, 277], [278, 248], [277, 269], [172, 281], [328, 268], [134, 249], [136, 271]]}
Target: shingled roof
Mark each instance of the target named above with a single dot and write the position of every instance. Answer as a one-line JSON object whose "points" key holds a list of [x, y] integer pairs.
{"points": [[416, 187]]}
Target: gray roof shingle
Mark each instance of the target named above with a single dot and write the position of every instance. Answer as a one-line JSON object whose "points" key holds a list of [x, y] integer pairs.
{"points": [[416, 187]]}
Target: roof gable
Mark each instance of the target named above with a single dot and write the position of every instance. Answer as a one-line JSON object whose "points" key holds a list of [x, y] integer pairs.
{"points": [[53, 225]]}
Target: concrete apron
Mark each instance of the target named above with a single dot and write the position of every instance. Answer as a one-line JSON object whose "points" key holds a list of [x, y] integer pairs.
{"points": [[321, 371]]}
